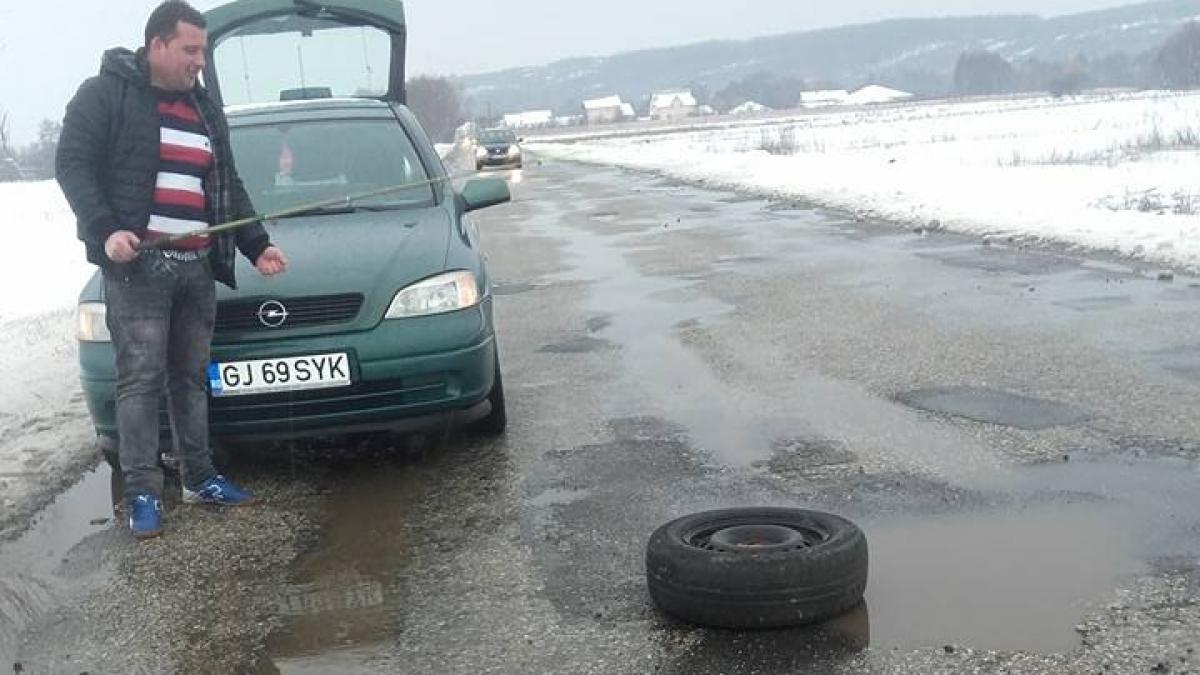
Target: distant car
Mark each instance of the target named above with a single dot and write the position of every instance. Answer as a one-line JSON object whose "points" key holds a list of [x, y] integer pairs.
{"points": [[497, 147], [10, 170], [384, 318]]}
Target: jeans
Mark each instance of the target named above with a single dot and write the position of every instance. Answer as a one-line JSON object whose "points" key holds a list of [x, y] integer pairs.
{"points": [[161, 314]]}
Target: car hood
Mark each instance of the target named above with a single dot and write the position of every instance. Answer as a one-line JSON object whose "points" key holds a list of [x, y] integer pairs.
{"points": [[374, 254]]}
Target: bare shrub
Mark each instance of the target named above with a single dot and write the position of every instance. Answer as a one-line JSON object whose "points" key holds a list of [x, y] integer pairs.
{"points": [[783, 143], [1153, 201], [1154, 141]]}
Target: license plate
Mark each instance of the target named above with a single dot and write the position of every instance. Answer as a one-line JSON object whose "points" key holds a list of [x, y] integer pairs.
{"points": [[283, 374]]}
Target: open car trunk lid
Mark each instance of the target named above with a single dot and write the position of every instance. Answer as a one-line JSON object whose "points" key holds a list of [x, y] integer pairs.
{"points": [[272, 50]]}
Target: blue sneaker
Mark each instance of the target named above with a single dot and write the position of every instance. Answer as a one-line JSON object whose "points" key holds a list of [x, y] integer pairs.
{"points": [[145, 516], [218, 490]]}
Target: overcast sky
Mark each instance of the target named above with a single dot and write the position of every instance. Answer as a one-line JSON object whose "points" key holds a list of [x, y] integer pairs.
{"points": [[48, 46]]}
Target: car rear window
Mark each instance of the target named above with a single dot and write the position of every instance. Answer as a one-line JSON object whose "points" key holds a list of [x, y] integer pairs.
{"points": [[280, 57], [293, 165]]}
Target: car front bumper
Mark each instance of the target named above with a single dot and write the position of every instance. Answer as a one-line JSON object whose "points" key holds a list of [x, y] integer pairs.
{"points": [[406, 374], [499, 160]]}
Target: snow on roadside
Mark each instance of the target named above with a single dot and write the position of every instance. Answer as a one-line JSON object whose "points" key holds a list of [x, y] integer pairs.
{"points": [[45, 434], [42, 265], [1095, 171]]}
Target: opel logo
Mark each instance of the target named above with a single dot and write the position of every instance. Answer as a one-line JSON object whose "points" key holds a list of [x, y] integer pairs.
{"points": [[272, 314]]}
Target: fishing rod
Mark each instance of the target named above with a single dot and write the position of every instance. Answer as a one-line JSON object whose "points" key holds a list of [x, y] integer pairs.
{"points": [[347, 200]]}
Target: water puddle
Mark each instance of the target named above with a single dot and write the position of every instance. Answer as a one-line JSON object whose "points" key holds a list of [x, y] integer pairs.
{"points": [[1007, 261], [1022, 578], [35, 569], [351, 597], [1182, 361], [1014, 580], [1096, 303], [344, 595]]}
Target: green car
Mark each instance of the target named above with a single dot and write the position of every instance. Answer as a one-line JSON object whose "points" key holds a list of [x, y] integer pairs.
{"points": [[384, 319]]}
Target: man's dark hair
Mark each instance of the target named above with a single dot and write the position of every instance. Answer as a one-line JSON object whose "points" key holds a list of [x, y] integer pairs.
{"points": [[164, 19]]}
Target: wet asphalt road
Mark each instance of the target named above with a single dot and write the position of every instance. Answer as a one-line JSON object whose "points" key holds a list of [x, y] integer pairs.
{"points": [[1015, 430]]}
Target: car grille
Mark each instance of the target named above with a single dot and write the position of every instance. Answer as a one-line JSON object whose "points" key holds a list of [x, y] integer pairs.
{"points": [[316, 310]]}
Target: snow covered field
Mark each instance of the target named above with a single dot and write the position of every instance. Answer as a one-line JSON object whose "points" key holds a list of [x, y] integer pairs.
{"points": [[42, 265], [1114, 172]]}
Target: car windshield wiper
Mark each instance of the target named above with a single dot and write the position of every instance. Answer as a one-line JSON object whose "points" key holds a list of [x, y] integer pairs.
{"points": [[320, 211], [382, 207], [340, 209]]}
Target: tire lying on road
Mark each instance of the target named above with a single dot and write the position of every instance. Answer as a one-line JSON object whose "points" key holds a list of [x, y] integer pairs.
{"points": [[757, 567]]}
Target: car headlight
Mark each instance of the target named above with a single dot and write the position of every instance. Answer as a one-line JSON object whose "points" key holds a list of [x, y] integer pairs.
{"points": [[444, 293], [480, 152], [92, 326], [514, 150]]}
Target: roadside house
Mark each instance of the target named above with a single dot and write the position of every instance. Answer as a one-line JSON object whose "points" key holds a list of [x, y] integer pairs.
{"points": [[604, 110], [672, 105], [823, 98], [530, 119], [875, 93]]}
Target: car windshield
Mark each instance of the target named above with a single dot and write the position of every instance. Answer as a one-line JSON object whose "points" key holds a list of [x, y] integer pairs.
{"points": [[285, 166], [497, 136]]}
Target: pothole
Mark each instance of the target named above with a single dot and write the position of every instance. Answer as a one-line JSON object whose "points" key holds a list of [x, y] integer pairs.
{"points": [[580, 345], [793, 457], [993, 406]]}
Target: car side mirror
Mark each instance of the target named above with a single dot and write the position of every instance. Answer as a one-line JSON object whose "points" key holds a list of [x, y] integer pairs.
{"points": [[481, 193]]}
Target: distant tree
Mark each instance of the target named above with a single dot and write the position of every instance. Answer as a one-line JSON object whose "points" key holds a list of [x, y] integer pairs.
{"points": [[1120, 69], [919, 81], [762, 87], [1178, 60], [1060, 78], [819, 83], [438, 106], [701, 93], [980, 72], [6, 149], [1072, 77], [37, 158]]}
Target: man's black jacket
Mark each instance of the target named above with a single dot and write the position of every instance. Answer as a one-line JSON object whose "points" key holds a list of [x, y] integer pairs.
{"points": [[108, 155]]}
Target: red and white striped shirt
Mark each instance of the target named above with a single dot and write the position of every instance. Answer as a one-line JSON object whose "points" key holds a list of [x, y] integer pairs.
{"points": [[185, 156]]}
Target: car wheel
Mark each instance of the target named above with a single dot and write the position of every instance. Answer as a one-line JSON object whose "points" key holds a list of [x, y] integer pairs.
{"points": [[497, 419], [757, 567]]}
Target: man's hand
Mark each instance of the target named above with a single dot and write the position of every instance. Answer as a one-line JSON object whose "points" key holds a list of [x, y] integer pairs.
{"points": [[121, 246], [271, 262]]}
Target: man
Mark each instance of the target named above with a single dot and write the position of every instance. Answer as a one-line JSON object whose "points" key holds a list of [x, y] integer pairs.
{"points": [[144, 155]]}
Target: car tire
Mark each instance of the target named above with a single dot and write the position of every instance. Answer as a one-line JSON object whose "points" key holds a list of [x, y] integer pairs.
{"points": [[757, 567], [496, 420]]}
